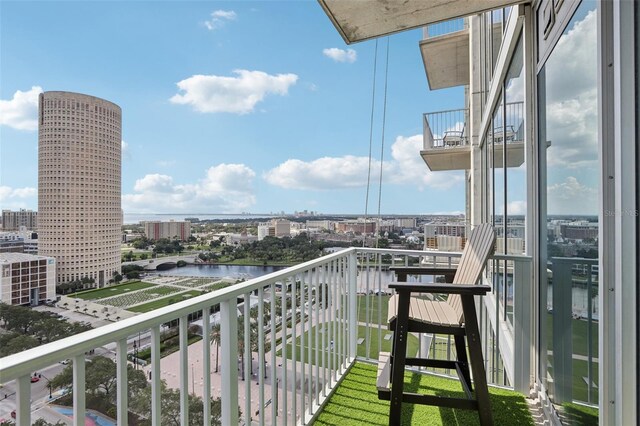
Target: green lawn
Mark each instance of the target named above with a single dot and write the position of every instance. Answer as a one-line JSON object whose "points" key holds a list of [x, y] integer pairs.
{"points": [[356, 402], [110, 291], [377, 304], [412, 347], [165, 301]]}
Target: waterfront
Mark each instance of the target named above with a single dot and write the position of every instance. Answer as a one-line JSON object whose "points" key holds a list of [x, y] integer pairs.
{"points": [[133, 218], [222, 271], [369, 280]]}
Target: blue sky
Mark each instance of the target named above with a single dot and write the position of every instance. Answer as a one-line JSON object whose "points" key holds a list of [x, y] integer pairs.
{"points": [[227, 106]]}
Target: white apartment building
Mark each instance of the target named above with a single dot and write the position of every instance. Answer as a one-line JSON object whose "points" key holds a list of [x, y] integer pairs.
{"points": [[79, 185], [27, 278], [319, 224], [180, 230]]}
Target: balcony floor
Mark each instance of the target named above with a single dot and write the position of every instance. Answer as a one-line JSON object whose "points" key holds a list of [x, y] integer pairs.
{"points": [[356, 402]]}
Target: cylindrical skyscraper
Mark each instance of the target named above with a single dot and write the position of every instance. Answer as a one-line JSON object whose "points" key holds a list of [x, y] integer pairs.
{"points": [[79, 185]]}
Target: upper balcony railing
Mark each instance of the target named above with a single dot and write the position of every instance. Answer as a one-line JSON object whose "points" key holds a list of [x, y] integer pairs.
{"points": [[442, 28], [445, 129], [311, 322]]}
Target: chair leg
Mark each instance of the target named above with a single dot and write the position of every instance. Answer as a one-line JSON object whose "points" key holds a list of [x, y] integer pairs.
{"points": [[399, 357], [461, 352], [477, 363]]}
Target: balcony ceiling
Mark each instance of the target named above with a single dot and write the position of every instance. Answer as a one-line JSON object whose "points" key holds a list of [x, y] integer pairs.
{"points": [[446, 59], [365, 19], [459, 158]]}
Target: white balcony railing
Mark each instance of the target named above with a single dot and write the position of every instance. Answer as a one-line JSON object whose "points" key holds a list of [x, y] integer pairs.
{"points": [[316, 319], [445, 129]]}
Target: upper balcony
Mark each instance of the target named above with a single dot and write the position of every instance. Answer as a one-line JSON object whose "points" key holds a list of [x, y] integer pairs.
{"points": [[446, 143], [445, 54], [282, 360]]}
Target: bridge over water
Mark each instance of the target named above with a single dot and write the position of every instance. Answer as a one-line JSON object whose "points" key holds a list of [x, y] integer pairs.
{"points": [[162, 262]]}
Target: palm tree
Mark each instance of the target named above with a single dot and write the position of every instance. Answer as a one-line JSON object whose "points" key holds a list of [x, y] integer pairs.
{"points": [[215, 338]]}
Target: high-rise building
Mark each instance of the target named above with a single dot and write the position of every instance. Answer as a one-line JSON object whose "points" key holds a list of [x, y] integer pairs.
{"points": [[79, 188], [14, 220], [156, 230]]}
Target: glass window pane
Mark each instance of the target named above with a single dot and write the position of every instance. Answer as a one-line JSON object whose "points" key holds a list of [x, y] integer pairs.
{"points": [[569, 182]]}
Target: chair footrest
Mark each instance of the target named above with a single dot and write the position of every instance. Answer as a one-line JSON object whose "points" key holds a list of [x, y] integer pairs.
{"points": [[383, 382]]}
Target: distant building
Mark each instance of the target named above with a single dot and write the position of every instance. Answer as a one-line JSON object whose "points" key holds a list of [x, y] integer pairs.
{"points": [[444, 236], [405, 222], [579, 231], [243, 238], [319, 225], [22, 241], [180, 230], [14, 220], [282, 227], [359, 226], [79, 185], [274, 228], [26, 278]]}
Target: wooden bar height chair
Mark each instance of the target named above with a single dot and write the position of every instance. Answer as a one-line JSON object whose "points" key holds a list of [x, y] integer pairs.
{"points": [[456, 316]]}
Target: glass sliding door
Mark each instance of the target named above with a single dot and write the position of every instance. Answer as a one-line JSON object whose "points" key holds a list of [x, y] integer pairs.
{"points": [[569, 188]]}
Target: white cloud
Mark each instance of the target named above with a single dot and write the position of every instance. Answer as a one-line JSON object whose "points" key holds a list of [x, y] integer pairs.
{"points": [[21, 112], [408, 166], [219, 17], [572, 108], [324, 173], [517, 207], [239, 95], [572, 197], [226, 188], [327, 173], [340, 55], [17, 198]]}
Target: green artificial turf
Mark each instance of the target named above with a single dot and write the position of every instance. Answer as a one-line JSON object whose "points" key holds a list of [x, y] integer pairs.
{"points": [[356, 402]]}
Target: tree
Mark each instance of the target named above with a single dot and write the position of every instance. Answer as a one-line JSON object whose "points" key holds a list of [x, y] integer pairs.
{"points": [[16, 343], [170, 414], [43, 422], [215, 338], [100, 379]]}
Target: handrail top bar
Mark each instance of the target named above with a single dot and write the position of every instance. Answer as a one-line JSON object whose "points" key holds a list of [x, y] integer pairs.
{"points": [[424, 114], [411, 252], [521, 257], [584, 260]]}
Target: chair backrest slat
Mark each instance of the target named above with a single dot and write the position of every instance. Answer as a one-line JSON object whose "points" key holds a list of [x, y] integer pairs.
{"points": [[479, 247]]}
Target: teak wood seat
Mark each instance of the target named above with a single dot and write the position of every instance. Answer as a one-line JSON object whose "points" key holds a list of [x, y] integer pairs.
{"points": [[456, 316]]}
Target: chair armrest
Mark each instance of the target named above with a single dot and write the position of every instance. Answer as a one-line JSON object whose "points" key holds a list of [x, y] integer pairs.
{"points": [[471, 289], [403, 271]]}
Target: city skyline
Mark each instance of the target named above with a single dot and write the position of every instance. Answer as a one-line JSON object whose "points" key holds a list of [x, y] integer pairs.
{"points": [[216, 122]]}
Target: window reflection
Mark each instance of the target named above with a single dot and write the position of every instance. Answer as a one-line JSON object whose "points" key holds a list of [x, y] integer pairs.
{"points": [[569, 204]]}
